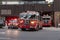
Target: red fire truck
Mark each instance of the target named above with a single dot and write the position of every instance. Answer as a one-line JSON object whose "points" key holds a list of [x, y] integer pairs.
{"points": [[12, 22], [29, 20], [47, 21]]}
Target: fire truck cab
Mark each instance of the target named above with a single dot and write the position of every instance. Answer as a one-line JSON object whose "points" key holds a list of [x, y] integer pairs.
{"points": [[29, 20], [47, 21], [12, 22]]}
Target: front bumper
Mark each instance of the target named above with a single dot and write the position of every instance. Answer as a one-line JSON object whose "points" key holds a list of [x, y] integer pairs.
{"points": [[12, 26], [27, 26]]}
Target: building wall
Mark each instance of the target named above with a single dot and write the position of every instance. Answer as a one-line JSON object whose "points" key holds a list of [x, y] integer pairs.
{"points": [[56, 12], [16, 9], [56, 5]]}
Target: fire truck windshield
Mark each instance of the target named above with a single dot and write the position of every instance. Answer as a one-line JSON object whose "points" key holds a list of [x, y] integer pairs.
{"points": [[27, 16], [46, 18]]}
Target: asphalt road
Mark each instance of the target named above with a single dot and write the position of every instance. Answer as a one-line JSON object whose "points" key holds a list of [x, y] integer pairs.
{"points": [[45, 34]]}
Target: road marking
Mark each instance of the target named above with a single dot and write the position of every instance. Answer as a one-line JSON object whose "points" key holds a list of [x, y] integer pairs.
{"points": [[4, 38], [2, 32]]}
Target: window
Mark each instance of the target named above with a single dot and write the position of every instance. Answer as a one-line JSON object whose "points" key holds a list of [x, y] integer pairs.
{"points": [[5, 12]]}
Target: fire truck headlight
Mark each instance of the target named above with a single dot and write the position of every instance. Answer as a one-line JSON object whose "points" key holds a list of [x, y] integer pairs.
{"points": [[21, 21], [15, 19], [16, 24], [32, 22]]}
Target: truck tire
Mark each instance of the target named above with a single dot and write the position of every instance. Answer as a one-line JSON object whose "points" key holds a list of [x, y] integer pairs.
{"points": [[15, 28], [9, 28], [23, 29], [40, 28]]}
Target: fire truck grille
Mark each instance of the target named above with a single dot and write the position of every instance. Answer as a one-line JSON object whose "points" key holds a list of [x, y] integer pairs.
{"points": [[46, 22], [27, 22]]}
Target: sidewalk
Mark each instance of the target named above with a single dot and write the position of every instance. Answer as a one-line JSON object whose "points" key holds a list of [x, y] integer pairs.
{"points": [[52, 28]]}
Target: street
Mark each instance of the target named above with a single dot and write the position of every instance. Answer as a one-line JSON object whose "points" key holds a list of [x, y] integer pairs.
{"points": [[15, 34]]}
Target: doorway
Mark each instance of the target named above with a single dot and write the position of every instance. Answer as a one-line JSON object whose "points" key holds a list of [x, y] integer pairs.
{"points": [[49, 13]]}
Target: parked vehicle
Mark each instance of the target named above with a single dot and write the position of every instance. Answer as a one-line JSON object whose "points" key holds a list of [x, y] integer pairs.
{"points": [[12, 22], [47, 21], [29, 20], [2, 22]]}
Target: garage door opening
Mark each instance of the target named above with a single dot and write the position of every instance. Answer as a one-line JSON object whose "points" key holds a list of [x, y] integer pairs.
{"points": [[47, 18]]}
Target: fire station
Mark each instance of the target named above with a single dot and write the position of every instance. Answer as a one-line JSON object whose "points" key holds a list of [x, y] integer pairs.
{"points": [[13, 8]]}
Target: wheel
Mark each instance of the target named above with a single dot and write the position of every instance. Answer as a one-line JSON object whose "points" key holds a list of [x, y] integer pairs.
{"points": [[15, 27], [23, 29], [40, 28], [9, 27]]}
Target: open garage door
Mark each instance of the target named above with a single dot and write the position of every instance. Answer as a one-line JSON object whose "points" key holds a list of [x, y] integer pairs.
{"points": [[47, 18]]}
